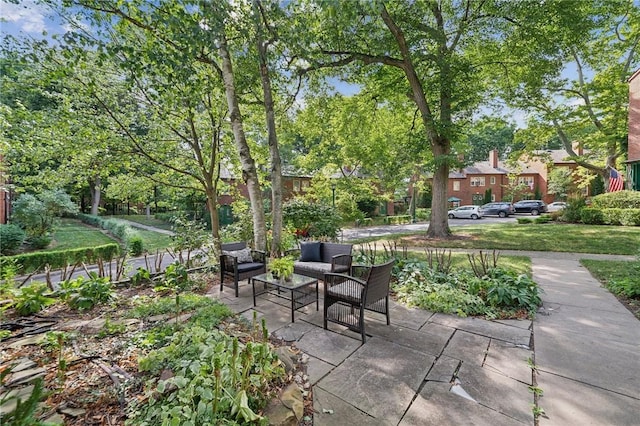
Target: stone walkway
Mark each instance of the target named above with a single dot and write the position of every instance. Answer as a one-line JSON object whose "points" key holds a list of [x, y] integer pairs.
{"points": [[428, 368]]}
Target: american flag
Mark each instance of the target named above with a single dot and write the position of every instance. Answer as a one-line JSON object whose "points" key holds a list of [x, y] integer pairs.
{"points": [[615, 180]]}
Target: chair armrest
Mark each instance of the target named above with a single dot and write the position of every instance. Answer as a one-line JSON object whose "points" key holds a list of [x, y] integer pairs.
{"points": [[341, 259], [228, 262], [259, 256]]}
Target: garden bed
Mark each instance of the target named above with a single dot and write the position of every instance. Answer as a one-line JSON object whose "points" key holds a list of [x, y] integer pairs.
{"points": [[102, 366]]}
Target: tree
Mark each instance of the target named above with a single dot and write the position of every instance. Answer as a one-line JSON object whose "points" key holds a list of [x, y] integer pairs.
{"points": [[487, 134], [573, 84], [431, 51], [560, 182]]}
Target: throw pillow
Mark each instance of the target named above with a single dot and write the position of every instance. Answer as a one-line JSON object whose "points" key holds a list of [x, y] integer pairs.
{"points": [[310, 252], [244, 255]]}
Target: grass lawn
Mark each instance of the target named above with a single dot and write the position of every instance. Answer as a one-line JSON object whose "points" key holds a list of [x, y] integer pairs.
{"points": [[144, 220], [611, 272], [71, 233], [153, 241], [537, 237]]}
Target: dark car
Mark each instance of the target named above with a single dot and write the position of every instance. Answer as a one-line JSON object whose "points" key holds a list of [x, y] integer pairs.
{"points": [[534, 207], [498, 209]]}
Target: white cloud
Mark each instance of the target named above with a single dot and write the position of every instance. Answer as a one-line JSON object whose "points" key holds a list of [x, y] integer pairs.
{"points": [[27, 16]]}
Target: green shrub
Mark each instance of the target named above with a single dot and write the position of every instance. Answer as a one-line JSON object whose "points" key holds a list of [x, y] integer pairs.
{"points": [[31, 262], [84, 293], [423, 214], [38, 215], [591, 216], [321, 221], [630, 217], [524, 220], [617, 200], [571, 213], [396, 220], [40, 242], [11, 238], [136, 246], [31, 299], [542, 219]]}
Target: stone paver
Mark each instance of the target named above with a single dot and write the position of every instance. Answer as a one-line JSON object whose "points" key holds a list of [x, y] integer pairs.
{"points": [[380, 378], [468, 347], [330, 347], [331, 411]]}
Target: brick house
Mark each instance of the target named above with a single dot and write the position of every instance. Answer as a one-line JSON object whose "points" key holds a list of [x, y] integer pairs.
{"points": [[469, 185], [633, 156]]}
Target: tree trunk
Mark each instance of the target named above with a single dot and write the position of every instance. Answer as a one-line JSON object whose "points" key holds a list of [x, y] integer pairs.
{"points": [[276, 163], [249, 173], [212, 205], [95, 195]]}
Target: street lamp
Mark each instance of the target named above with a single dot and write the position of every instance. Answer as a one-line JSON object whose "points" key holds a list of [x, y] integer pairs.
{"points": [[333, 194]]}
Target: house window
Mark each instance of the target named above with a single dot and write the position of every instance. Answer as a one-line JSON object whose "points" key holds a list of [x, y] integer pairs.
{"points": [[296, 185], [493, 198], [526, 180], [477, 181], [493, 180], [305, 184], [456, 185]]}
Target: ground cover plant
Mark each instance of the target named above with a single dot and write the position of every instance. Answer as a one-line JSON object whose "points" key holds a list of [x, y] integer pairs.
{"points": [[440, 281], [129, 362]]}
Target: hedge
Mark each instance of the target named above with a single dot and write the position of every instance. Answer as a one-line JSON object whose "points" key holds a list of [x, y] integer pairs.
{"points": [[30, 262], [119, 229], [397, 220], [596, 216], [617, 200]]}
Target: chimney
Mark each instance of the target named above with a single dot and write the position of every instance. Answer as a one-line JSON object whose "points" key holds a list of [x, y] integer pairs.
{"points": [[493, 158], [577, 147]]}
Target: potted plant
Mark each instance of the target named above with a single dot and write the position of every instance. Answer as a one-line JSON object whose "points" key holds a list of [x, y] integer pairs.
{"points": [[281, 267]]}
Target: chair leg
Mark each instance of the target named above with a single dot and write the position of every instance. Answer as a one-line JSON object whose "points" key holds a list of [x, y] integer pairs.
{"points": [[386, 309], [361, 322], [326, 309], [221, 279]]}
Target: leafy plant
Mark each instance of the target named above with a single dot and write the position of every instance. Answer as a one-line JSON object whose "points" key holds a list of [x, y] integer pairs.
{"points": [[38, 214], [573, 211], [31, 299], [216, 379], [320, 220], [84, 293], [629, 286], [281, 267], [110, 329], [141, 276], [24, 413]]}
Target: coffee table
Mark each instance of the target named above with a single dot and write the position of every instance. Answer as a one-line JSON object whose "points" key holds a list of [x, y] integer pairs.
{"points": [[298, 289]]}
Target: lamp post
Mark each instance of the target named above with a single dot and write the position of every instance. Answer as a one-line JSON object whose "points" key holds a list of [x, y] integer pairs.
{"points": [[333, 194]]}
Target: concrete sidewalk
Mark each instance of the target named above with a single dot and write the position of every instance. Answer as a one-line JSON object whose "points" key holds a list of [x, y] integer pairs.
{"points": [[435, 369]]}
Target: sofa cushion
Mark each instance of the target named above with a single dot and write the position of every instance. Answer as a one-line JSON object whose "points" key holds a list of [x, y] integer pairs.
{"points": [[312, 266], [250, 266], [310, 251], [244, 255]]}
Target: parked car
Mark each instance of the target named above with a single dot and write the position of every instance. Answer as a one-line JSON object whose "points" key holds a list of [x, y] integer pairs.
{"points": [[466, 212], [498, 209], [534, 207], [556, 206]]}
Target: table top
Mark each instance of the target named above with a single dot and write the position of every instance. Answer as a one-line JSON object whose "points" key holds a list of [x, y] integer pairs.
{"points": [[295, 281]]}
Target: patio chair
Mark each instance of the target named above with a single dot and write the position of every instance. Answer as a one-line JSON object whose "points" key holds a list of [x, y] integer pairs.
{"points": [[347, 297], [239, 262]]}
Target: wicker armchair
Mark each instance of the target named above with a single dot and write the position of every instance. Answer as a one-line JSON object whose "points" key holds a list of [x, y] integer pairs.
{"points": [[346, 297], [232, 267]]}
